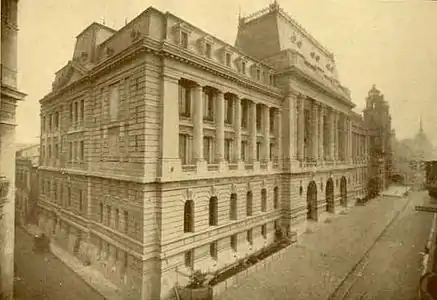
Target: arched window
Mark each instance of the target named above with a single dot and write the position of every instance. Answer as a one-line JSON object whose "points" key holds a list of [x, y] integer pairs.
{"points": [[275, 198], [233, 207], [213, 211], [249, 204], [263, 200], [189, 216]]}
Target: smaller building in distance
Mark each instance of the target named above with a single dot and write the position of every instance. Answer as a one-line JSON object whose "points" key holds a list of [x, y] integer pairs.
{"points": [[26, 183]]}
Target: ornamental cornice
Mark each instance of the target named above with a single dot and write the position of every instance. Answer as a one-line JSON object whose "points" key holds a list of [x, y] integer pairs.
{"points": [[315, 81], [171, 51]]}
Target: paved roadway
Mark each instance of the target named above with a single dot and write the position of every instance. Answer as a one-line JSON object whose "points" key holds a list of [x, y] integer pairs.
{"points": [[393, 267], [43, 276]]}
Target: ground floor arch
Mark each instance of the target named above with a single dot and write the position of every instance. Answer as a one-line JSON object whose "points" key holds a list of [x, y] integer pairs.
{"points": [[343, 191], [312, 201], [329, 190]]}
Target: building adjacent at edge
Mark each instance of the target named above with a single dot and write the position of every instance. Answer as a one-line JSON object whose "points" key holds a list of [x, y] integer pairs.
{"points": [[10, 95], [377, 120], [26, 184], [165, 150]]}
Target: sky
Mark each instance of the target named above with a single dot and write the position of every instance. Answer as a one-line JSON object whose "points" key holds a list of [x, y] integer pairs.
{"points": [[391, 44]]}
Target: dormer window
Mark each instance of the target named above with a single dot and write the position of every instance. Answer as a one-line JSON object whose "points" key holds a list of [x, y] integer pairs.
{"points": [[184, 40], [243, 67], [271, 79], [208, 50], [228, 59]]}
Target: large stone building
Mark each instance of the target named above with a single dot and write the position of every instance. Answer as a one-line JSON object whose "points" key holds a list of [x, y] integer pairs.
{"points": [[26, 183], [165, 149], [377, 120], [10, 95]]}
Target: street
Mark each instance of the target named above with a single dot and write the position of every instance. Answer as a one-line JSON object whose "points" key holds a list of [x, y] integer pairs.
{"points": [[393, 267], [43, 276], [321, 261]]}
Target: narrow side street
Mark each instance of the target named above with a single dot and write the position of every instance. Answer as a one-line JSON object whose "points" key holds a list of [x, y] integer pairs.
{"points": [[44, 276], [313, 269]]}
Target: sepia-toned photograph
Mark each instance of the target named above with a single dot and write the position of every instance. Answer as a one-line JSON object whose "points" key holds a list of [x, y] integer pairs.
{"points": [[218, 150]]}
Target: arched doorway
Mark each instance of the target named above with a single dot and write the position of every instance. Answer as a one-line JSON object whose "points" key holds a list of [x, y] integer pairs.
{"points": [[312, 201], [329, 195], [343, 191]]}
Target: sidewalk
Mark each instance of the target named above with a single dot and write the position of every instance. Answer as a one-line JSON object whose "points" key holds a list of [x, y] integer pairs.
{"points": [[91, 276], [312, 269]]}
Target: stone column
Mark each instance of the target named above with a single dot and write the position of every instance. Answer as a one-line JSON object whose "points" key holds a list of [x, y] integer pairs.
{"points": [[314, 131], [197, 101], [266, 133], [170, 161], [287, 131], [237, 129], [220, 128], [252, 132], [300, 129], [279, 136], [321, 133]]}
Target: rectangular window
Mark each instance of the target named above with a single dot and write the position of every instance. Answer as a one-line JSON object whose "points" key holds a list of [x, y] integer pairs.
{"points": [[117, 218], [68, 196], [258, 151], [126, 222], [208, 50], [43, 123], [228, 149], [108, 217], [244, 114], [76, 112], [71, 113], [249, 237], [271, 79], [264, 231], [80, 200], [259, 117], [208, 148], [101, 212], [183, 149], [56, 151], [208, 105], [70, 151], [234, 242], [243, 68], [229, 109], [184, 101], [213, 250], [243, 150], [258, 74], [189, 259], [184, 40], [114, 102], [82, 110], [272, 152], [228, 59], [82, 150], [272, 121]]}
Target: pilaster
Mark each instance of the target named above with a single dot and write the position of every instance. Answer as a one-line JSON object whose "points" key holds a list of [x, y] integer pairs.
{"points": [[314, 131], [266, 133], [220, 128], [300, 128], [253, 132], [237, 129], [197, 100], [170, 161]]}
